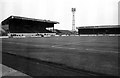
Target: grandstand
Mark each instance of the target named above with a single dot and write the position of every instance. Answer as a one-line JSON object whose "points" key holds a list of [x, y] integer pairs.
{"points": [[104, 30], [22, 26]]}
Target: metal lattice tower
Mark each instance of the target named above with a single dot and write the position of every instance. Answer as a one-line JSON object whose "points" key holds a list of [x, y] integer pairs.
{"points": [[73, 20]]}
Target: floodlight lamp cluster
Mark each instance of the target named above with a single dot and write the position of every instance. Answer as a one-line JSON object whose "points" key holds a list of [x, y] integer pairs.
{"points": [[73, 9]]}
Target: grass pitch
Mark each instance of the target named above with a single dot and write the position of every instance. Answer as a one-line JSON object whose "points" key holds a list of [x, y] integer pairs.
{"points": [[97, 54]]}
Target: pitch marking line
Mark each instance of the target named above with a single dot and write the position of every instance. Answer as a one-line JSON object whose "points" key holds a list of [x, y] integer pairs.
{"points": [[62, 47], [102, 51]]}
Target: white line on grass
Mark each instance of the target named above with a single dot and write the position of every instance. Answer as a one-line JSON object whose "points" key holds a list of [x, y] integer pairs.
{"points": [[101, 50], [62, 47]]}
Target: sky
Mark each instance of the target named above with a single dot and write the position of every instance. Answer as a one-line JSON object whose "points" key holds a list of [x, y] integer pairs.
{"points": [[88, 12]]}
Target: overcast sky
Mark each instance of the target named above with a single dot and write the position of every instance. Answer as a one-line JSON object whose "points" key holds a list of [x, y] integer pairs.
{"points": [[88, 12]]}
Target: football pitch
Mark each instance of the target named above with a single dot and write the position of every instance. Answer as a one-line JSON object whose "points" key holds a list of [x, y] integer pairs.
{"points": [[92, 53]]}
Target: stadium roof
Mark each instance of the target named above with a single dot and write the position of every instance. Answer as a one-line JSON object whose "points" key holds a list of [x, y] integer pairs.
{"points": [[6, 21], [102, 26]]}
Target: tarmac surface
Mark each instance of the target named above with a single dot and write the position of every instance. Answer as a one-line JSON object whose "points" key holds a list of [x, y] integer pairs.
{"points": [[95, 54], [7, 71]]}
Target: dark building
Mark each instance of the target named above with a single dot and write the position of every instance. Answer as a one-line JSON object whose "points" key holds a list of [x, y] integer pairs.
{"points": [[18, 25], [109, 29]]}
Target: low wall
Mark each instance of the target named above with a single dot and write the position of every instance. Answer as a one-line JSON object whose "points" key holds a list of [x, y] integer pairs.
{"points": [[30, 34], [4, 37]]}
